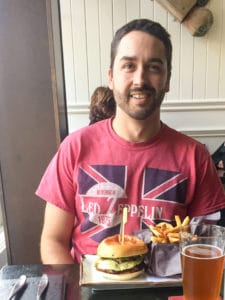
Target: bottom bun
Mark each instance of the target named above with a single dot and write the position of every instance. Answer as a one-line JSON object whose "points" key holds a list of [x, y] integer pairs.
{"points": [[123, 276]]}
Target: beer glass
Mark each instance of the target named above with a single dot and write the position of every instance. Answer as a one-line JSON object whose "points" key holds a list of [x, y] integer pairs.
{"points": [[202, 261]]}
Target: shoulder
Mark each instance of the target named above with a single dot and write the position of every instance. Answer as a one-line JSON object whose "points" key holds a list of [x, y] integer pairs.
{"points": [[86, 133], [182, 143], [181, 138], [89, 129]]}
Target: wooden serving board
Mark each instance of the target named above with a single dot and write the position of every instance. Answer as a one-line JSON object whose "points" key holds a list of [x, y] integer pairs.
{"points": [[179, 9]]}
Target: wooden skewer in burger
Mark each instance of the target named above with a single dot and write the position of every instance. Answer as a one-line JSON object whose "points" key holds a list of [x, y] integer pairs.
{"points": [[121, 256]]}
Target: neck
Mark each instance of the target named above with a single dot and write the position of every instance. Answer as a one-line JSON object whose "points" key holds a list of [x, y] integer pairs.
{"points": [[136, 130]]}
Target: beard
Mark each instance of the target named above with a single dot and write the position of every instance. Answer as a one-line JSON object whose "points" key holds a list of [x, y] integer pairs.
{"points": [[140, 111]]}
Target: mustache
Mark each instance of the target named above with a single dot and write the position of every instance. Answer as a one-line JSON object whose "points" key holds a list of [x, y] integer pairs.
{"points": [[143, 89]]}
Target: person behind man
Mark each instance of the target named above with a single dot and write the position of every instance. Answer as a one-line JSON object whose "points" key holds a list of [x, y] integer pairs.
{"points": [[131, 160], [102, 104]]}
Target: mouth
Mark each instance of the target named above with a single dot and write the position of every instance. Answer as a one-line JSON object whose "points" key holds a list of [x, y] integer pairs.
{"points": [[140, 94], [140, 91]]}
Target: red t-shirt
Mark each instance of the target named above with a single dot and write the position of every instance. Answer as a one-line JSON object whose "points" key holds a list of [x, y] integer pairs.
{"points": [[95, 174]]}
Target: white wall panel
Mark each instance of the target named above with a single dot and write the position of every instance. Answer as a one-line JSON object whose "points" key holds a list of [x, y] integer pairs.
{"points": [[175, 28], [199, 67], [106, 34], [133, 9], [214, 50], [93, 43], [146, 9], [68, 50], [186, 64], [80, 51], [119, 13], [160, 14]]}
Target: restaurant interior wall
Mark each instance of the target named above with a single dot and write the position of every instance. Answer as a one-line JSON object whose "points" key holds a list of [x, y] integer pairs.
{"points": [[195, 104], [33, 119]]}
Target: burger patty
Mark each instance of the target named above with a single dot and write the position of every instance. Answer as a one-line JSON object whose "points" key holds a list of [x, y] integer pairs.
{"points": [[120, 265], [120, 260], [134, 269]]}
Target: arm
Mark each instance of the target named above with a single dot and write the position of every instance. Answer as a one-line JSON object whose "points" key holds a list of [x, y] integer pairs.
{"points": [[56, 235]]}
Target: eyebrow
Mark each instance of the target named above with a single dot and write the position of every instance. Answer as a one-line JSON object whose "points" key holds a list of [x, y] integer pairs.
{"points": [[133, 58], [128, 58]]}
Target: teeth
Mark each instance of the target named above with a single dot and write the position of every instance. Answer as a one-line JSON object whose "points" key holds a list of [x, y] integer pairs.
{"points": [[138, 96]]}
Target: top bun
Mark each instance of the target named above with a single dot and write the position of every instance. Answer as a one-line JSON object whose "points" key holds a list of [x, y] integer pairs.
{"points": [[112, 247]]}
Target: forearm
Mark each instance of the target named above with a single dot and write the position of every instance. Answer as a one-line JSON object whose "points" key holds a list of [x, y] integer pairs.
{"points": [[54, 252], [56, 236]]}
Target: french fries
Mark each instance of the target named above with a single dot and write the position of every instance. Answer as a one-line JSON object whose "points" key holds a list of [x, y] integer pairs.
{"points": [[166, 233]]}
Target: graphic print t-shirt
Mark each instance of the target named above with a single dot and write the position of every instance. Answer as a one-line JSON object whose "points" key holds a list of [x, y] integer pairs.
{"points": [[95, 174]]}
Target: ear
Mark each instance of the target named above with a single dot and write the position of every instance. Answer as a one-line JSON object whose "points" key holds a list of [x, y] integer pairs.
{"points": [[110, 79], [167, 88]]}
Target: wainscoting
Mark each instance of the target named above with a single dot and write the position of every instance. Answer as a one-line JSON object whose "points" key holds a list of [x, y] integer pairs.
{"points": [[203, 120]]}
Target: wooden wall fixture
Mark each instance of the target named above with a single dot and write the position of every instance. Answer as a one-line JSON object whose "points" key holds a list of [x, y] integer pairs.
{"points": [[191, 13]]}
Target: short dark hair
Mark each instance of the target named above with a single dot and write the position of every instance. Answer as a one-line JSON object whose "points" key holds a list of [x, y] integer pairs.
{"points": [[147, 26]]}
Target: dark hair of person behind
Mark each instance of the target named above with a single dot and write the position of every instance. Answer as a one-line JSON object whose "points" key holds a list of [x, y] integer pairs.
{"points": [[102, 104], [147, 26]]}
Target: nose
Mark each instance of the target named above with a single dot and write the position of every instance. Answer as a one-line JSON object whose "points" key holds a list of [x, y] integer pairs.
{"points": [[140, 77]]}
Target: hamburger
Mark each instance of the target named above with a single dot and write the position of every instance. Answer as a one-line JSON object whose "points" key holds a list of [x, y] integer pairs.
{"points": [[121, 260]]}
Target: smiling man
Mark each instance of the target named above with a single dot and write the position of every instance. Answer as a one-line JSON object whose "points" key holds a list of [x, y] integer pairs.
{"points": [[139, 79], [131, 160]]}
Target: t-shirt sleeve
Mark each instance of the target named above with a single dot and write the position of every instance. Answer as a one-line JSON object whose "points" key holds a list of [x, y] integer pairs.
{"points": [[56, 186], [209, 194]]}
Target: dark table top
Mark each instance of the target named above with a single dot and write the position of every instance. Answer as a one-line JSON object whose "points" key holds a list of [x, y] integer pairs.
{"points": [[74, 291]]}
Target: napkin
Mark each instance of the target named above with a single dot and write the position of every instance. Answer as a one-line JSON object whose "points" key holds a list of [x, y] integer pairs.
{"points": [[162, 259], [55, 290]]}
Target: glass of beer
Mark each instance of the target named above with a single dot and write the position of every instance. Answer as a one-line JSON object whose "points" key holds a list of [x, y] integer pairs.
{"points": [[202, 261]]}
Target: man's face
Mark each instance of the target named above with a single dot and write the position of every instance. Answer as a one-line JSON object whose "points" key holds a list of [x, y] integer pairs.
{"points": [[139, 78]]}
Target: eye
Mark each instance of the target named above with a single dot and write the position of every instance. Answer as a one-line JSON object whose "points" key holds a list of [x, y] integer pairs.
{"points": [[155, 67], [128, 66]]}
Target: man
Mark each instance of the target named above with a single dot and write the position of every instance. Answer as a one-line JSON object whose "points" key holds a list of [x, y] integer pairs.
{"points": [[132, 160]]}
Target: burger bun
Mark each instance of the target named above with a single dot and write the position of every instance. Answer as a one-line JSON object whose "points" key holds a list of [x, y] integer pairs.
{"points": [[122, 276], [113, 247]]}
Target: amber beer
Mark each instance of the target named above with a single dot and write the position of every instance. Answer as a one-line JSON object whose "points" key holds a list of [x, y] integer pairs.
{"points": [[202, 270]]}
